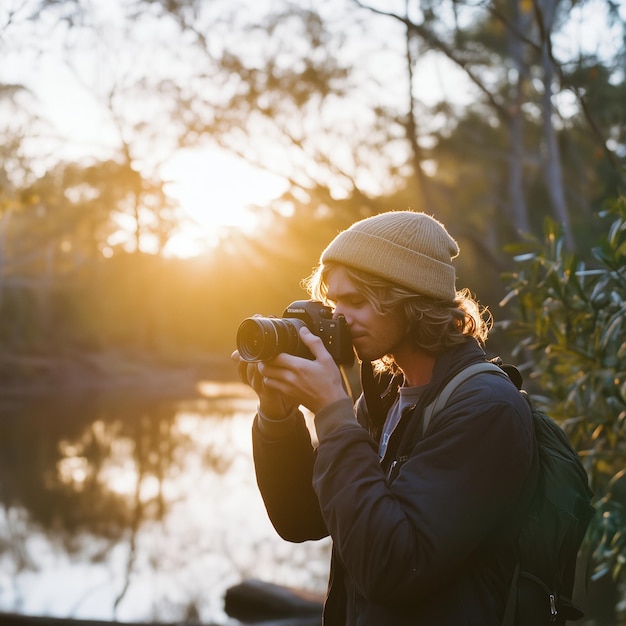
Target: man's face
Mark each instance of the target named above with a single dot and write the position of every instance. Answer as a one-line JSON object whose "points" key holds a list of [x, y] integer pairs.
{"points": [[373, 335]]}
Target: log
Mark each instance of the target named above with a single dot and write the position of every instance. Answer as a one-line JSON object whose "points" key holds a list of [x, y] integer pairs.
{"points": [[251, 602], [15, 619], [254, 601]]}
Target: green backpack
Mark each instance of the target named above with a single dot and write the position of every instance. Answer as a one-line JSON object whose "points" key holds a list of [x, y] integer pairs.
{"points": [[554, 524]]}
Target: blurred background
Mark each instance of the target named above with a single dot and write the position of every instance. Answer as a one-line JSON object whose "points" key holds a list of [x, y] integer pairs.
{"points": [[170, 167]]}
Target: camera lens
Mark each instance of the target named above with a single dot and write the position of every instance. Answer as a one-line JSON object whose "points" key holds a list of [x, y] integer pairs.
{"points": [[262, 338]]}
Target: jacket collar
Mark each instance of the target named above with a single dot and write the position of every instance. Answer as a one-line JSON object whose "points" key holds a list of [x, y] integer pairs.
{"points": [[380, 390], [451, 362]]}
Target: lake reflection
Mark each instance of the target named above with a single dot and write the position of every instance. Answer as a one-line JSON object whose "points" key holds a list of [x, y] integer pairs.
{"points": [[134, 508]]}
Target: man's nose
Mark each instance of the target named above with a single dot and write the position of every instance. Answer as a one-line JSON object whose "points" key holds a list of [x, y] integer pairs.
{"points": [[339, 312]]}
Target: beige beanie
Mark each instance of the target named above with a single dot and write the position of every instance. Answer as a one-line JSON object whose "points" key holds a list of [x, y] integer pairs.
{"points": [[407, 248]]}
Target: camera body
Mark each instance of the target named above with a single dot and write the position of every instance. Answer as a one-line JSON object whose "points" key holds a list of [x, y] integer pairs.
{"points": [[262, 338]]}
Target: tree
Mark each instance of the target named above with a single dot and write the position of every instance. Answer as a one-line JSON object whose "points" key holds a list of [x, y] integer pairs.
{"points": [[338, 100], [506, 50], [490, 162]]}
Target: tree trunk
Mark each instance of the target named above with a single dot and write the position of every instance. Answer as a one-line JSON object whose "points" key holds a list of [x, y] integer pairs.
{"points": [[421, 179], [515, 123], [545, 11]]}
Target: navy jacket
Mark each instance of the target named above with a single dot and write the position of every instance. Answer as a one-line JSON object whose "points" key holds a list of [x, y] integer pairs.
{"points": [[427, 536]]}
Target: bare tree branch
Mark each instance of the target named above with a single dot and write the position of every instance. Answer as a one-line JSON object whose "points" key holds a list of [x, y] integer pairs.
{"points": [[437, 44]]}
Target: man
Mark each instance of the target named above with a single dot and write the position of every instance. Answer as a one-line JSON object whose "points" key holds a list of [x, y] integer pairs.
{"points": [[423, 523]]}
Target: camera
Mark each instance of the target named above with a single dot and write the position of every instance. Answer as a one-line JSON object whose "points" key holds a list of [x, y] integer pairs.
{"points": [[262, 338]]}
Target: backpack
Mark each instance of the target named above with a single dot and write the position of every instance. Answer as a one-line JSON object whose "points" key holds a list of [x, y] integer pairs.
{"points": [[555, 521]]}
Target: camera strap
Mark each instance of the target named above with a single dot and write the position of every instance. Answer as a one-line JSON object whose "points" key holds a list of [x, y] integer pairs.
{"points": [[377, 388]]}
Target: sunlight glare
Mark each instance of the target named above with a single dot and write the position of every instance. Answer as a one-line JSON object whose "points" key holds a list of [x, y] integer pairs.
{"points": [[217, 192]]}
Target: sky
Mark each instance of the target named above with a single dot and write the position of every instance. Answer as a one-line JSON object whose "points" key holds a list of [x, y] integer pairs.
{"points": [[216, 189]]}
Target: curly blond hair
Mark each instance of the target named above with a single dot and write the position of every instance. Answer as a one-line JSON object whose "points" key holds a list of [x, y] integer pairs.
{"points": [[432, 325]]}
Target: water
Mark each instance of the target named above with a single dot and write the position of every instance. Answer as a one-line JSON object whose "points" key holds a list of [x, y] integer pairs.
{"points": [[136, 508]]}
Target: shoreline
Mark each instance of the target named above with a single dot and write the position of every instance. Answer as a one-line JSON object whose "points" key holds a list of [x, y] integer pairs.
{"points": [[111, 371]]}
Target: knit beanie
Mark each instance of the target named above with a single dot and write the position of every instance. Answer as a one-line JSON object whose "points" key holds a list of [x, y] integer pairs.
{"points": [[410, 249]]}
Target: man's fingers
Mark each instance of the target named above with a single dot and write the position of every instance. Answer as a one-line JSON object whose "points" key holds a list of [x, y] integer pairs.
{"points": [[313, 343]]}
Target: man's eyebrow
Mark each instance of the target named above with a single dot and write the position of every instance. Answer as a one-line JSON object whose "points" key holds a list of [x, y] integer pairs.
{"points": [[346, 293]]}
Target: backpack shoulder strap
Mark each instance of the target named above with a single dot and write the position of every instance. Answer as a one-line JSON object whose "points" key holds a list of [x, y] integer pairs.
{"points": [[451, 386]]}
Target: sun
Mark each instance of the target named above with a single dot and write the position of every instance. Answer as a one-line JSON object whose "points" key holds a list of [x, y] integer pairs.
{"points": [[215, 191]]}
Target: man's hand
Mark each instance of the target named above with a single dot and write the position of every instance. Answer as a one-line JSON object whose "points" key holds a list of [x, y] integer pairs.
{"points": [[312, 383], [287, 381], [271, 403]]}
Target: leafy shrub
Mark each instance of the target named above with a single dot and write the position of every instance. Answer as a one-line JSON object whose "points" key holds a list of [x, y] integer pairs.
{"points": [[571, 336]]}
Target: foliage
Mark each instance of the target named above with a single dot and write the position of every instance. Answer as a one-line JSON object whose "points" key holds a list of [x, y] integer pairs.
{"points": [[572, 329], [436, 106]]}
